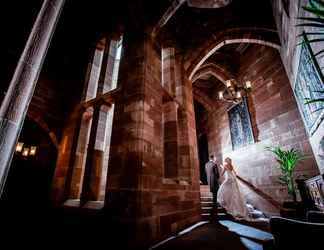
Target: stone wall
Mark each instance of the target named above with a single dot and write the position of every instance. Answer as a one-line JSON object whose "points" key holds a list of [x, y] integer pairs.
{"points": [[138, 195], [275, 121], [285, 17]]}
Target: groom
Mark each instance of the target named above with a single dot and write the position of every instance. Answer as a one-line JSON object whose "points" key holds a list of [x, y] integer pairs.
{"points": [[212, 178]]}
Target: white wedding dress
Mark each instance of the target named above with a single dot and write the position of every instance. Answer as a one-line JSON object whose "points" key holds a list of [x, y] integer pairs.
{"points": [[230, 197]]}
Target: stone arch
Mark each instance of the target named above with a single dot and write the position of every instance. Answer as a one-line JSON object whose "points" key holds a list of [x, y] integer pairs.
{"points": [[43, 125], [194, 60], [215, 70], [203, 99]]}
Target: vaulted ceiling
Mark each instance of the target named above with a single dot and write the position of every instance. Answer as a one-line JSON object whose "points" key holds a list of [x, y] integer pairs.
{"points": [[190, 23], [190, 26]]}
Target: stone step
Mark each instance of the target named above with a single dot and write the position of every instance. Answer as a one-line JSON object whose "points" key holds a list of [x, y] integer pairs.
{"points": [[221, 216], [206, 205], [219, 209], [206, 202], [206, 209], [206, 198]]}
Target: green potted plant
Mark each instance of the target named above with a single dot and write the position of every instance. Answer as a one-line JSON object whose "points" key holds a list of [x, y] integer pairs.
{"points": [[287, 160]]}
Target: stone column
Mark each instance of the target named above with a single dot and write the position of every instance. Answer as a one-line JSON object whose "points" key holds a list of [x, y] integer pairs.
{"points": [[170, 134], [170, 110], [188, 152], [90, 92], [15, 105], [168, 69], [135, 164], [101, 126]]}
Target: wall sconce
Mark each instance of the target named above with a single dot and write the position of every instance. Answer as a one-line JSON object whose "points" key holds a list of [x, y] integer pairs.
{"points": [[25, 152], [19, 146], [32, 150]]}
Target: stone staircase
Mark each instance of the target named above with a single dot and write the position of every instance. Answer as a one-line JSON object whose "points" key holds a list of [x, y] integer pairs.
{"points": [[206, 201]]}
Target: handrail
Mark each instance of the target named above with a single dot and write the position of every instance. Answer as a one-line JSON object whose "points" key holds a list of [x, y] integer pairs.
{"points": [[267, 197]]}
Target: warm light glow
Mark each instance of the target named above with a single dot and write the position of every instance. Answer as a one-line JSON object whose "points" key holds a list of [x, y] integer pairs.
{"points": [[32, 150], [236, 91], [19, 146], [248, 84], [25, 152]]}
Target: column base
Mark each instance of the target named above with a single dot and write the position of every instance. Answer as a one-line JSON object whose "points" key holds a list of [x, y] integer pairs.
{"points": [[94, 205], [72, 203]]}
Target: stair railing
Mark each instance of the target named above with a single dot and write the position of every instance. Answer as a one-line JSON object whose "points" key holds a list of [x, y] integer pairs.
{"points": [[258, 191]]}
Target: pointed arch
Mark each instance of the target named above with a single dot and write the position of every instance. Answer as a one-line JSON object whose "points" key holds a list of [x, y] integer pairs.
{"points": [[196, 58], [215, 70], [43, 125]]}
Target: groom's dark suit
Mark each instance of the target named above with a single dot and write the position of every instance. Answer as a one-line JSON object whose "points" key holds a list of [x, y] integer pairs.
{"points": [[212, 178]]}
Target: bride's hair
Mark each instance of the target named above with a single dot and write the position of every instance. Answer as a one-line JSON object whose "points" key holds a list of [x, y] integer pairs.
{"points": [[228, 160]]}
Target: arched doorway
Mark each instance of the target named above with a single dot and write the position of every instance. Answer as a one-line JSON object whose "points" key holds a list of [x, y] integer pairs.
{"points": [[202, 141], [29, 180]]}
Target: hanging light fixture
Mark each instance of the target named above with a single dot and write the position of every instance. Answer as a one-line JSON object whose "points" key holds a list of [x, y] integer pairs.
{"points": [[234, 92]]}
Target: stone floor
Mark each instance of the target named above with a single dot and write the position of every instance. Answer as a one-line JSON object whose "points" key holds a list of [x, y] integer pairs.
{"points": [[227, 234], [30, 228]]}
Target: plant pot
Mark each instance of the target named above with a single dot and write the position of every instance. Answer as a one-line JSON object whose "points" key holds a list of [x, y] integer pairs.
{"points": [[293, 210]]}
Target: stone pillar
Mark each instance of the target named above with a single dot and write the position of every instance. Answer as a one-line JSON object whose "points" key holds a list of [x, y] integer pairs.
{"points": [[168, 69], [63, 172], [135, 164], [14, 107], [90, 92], [170, 134], [188, 152], [93, 177], [170, 110]]}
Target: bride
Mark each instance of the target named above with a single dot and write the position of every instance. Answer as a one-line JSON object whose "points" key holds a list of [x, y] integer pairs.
{"points": [[229, 195]]}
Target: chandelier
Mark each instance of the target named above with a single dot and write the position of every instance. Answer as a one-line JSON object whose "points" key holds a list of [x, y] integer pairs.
{"points": [[234, 92]]}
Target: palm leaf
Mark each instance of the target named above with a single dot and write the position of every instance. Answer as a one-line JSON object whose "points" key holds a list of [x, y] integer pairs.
{"points": [[316, 40], [318, 25], [313, 19], [287, 160], [283, 180], [312, 34], [309, 101], [314, 3], [314, 10]]}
